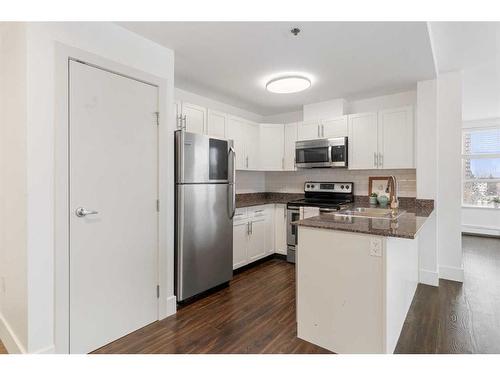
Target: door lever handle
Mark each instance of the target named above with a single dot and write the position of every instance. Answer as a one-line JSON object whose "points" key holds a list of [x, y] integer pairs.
{"points": [[82, 212]]}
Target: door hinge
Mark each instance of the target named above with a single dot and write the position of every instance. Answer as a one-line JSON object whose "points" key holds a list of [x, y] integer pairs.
{"points": [[157, 205], [157, 291], [157, 118]]}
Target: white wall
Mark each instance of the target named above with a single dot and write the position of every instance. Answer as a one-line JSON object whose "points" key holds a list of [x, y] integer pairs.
{"points": [[324, 110], [378, 103], [426, 152], [204, 101], [481, 92], [293, 182], [109, 41], [250, 182], [286, 118], [13, 211], [449, 119], [481, 100]]}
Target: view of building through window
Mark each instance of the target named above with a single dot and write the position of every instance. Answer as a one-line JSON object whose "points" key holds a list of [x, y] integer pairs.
{"points": [[481, 167]]}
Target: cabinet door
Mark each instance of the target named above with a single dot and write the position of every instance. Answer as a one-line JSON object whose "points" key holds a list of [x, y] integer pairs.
{"points": [[196, 118], [240, 243], [280, 229], [252, 141], [236, 131], [272, 145], [177, 113], [290, 139], [396, 138], [308, 130], [363, 141], [257, 239], [217, 122], [334, 128]]}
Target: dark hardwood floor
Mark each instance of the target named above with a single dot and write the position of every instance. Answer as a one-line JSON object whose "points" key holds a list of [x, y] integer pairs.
{"points": [[459, 318], [256, 314]]}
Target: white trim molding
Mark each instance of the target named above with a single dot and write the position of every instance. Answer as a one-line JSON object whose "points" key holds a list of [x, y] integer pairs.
{"points": [[481, 229], [171, 305], [9, 338], [166, 187], [451, 273], [428, 277]]}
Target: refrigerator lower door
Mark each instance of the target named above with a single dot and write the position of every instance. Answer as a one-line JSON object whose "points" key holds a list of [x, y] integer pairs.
{"points": [[204, 238]]}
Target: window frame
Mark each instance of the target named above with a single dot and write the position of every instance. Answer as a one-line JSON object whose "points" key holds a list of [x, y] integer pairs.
{"points": [[473, 126]]}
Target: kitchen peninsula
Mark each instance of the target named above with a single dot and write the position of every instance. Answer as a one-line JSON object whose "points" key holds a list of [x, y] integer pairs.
{"points": [[356, 277]]}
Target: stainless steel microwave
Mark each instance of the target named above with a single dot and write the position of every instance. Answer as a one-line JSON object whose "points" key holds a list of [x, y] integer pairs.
{"points": [[321, 153]]}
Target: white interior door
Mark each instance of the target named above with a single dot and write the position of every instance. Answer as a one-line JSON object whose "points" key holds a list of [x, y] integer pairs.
{"points": [[113, 146]]}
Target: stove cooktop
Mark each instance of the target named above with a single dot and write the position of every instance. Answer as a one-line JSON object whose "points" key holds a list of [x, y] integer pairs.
{"points": [[321, 203]]}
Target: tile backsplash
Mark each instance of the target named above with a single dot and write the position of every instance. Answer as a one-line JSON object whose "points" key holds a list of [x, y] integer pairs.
{"points": [[293, 182]]}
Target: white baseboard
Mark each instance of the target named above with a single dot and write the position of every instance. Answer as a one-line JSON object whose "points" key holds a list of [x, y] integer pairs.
{"points": [[9, 338], [48, 350], [451, 273], [171, 305], [476, 229], [428, 277]]}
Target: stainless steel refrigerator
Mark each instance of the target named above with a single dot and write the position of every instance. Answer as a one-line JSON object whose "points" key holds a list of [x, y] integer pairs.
{"points": [[204, 210]]}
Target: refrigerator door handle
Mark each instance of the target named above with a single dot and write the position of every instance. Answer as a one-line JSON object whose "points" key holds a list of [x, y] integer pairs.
{"points": [[231, 185]]}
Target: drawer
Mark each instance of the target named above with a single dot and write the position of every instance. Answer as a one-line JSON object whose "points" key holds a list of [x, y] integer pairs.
{"points": [[259, 211], [240, 214]]}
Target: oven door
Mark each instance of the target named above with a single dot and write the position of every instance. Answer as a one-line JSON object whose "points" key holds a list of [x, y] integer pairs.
{"points": [[293, 214]]}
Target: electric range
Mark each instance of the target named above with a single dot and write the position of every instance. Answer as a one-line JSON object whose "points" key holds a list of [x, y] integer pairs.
{"points": [[319, 197]]}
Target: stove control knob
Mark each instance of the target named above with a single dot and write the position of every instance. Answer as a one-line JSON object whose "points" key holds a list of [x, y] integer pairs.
{"points": [[308, 186], [342, 187]]}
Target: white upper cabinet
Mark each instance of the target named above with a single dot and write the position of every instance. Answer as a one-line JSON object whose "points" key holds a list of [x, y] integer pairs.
{"points": [[396, 138], [308, 130], [246, 137], [363, 141], [217, 124], [236, 131], [194, 118], [272, 144], [334, 128], [290, 131], [252, 146], [382, 140]]}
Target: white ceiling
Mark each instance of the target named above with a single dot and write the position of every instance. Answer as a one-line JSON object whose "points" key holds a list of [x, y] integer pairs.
{"points": [[232, 61], [462, 45]]}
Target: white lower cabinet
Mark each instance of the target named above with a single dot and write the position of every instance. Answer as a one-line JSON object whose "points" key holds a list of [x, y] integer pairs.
{"points": [[253, 234], [240, 239], [280, 229], [257, 239]]}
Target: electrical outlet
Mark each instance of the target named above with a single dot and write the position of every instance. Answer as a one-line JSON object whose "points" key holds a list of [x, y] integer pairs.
{"points": [[376, 247]]}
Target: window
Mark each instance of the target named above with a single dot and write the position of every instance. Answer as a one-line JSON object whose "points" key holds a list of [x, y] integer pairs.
{"points": [[481, 167]]}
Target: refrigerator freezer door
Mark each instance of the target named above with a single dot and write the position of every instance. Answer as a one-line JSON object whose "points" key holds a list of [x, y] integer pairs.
{"points": [[201, 159], [204, 238]]}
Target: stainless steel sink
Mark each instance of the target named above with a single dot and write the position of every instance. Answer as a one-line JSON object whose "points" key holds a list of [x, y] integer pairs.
{"points": [[374, 213]]}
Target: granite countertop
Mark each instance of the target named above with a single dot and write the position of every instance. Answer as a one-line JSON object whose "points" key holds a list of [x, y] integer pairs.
{"points": [[257, 199], [405, 226]]}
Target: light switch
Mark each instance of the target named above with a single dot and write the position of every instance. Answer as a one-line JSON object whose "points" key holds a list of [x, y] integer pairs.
{"points": [[376, 247]]}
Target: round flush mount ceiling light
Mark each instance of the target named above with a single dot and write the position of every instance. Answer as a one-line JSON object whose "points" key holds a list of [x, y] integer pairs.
{"points": [[288, 85]]}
